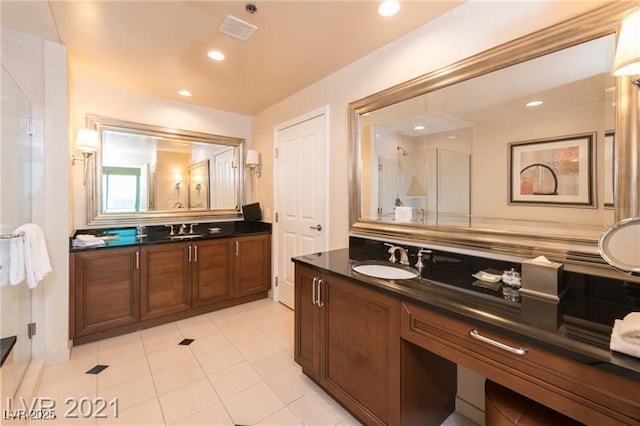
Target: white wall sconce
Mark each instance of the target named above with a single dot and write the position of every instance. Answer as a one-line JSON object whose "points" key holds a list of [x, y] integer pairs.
{"points": [[87, 142], [627, 59], [253, 162]]}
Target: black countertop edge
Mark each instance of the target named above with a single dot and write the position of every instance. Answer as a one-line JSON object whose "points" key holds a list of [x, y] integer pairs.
{"points": [[481, 312], [118, 237], [6, 345]]}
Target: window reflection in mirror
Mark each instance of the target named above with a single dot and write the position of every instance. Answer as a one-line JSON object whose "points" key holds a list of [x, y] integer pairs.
{"points": [[441, 158], [146, 172]]}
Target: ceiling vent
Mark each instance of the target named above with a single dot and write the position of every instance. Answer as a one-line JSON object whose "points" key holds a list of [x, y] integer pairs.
{"points": [[237, 28]]}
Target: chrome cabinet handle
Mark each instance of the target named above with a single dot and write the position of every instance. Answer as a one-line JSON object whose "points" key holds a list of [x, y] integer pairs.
{"points": [[320, 304], [137, 260], [318, 227], [518, 351], [237, 248], [189, 257], [195, 253], [313, 291]]}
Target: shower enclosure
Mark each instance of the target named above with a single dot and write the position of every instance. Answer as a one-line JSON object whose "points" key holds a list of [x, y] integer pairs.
{"points": [[16, 162]]}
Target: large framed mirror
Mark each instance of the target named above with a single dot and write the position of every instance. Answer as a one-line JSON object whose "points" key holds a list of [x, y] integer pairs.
{"points": [[508, 151], [144, 173]]}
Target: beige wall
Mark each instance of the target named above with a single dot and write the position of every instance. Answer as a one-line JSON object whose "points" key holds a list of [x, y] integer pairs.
{"points": [[469, 29], [96, 99]]}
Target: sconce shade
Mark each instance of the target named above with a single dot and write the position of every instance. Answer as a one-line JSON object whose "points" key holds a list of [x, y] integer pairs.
{"points": [[627, 59], [253, 158], [87, 140]]}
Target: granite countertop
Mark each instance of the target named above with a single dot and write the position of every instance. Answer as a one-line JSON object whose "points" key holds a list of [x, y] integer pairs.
{"points": [[6, 344], [159, 234], [448, 294]]}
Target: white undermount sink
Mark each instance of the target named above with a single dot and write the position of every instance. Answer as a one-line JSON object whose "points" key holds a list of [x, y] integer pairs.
{"points": [[385, 270]]}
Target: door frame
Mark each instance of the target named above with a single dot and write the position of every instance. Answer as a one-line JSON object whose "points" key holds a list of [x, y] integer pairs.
{"points": [[322, 111]]}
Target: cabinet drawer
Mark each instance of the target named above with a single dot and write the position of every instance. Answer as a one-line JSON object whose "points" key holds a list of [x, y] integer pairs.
{"points": [[575, 389]]}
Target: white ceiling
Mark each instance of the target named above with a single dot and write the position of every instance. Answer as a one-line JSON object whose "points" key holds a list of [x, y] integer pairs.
{"points": [[160, 47]]}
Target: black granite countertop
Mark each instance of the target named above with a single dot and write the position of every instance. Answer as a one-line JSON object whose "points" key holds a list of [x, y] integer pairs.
{"points": [[6, 345], [159, 234], [582, 336]]}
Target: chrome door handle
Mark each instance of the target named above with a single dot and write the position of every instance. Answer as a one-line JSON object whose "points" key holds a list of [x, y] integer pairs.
{"points": [[518, 351], [137, 260], [313, 291], [195, 253], [189, 257], [320, 304], [237, 247], [318, 227]]}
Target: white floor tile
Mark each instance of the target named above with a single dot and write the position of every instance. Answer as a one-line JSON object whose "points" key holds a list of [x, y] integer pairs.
{"points": [[215, 415], [253, 405], [177, 375], [234, 379], [183, 402], [221, 359], [312, 410], [131, 393], [283, 417]]}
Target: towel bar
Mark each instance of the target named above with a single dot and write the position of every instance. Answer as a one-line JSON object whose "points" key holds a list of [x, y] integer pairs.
{"points": [[10, 236]]}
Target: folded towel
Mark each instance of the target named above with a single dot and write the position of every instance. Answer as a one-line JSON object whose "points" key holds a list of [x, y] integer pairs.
{"points": [[630, 326], [629, 346], [87, 240], [36, 256], [16, 261]]}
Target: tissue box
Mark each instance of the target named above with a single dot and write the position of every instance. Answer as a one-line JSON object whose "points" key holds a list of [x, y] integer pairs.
{"points": [[540, 312], [403, 214], [542, 279]]}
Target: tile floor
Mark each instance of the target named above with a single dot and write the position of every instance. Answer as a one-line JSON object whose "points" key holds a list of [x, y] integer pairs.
{"points": [[239, 370]]}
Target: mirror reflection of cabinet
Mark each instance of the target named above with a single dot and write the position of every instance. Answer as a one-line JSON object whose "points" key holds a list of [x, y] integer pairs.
{"points": [[477, 107], [147, 172]]}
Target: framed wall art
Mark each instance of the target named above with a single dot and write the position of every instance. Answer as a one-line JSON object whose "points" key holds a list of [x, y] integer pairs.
{"points": [[554, 172]]}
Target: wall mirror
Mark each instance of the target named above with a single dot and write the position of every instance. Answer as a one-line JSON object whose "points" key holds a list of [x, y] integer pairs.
{"points": [[144, 173], [509, 150]]}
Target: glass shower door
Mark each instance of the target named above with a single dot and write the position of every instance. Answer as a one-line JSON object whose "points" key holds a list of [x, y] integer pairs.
{"points": [[15, 210]]}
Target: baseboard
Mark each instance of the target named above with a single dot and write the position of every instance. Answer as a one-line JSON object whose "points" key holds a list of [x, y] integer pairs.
{"points": [[470, 411]]}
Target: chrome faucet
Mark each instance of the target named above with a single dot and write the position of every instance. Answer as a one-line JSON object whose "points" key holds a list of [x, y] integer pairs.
{"points": [[419, 263], [172, 232], [404, 258], [181, 229]]}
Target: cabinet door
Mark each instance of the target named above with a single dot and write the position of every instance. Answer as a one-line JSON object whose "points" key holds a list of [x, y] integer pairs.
{"points": [[252, 264], [211, 272], [307, 322], [107, 292], [165, 279], [361, 358]]}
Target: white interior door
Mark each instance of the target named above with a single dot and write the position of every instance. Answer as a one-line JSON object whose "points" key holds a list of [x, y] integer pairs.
{"points": [[301, 186]]}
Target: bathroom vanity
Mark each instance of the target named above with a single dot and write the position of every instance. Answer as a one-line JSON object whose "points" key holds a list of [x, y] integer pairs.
{"points": [[388, 350], [136, 282]]}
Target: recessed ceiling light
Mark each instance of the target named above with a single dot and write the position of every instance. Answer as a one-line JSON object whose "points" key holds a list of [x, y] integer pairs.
{"points": [[184, 93], [216, 55], [419, 127], [388, 8], [534, 103]]}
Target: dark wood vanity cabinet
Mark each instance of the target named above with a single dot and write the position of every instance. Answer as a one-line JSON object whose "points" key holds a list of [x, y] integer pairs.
{"points": [[118, 290], [347, 339], [165, 279], [251, 271], [211, 272], [105, 290]]}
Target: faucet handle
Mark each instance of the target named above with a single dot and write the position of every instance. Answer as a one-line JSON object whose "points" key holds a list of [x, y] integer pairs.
{"points": [[191, 228], [392, 252], [419, 263], [181, 229], [172, 232]]}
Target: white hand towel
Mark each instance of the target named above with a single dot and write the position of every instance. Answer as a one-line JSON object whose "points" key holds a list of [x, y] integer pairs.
{"points": [[630, 326], [620, 344], [16, 261], [36, 256], [4, 262], [87, 240]]}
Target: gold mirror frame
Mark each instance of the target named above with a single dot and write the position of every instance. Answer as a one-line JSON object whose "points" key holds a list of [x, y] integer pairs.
{"points": [[576, 252], [95, 216]]}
